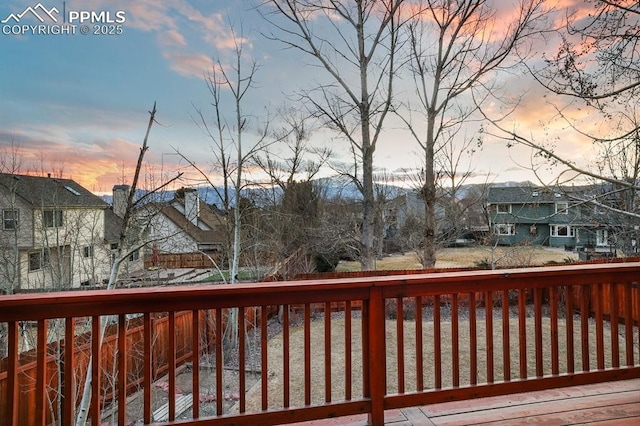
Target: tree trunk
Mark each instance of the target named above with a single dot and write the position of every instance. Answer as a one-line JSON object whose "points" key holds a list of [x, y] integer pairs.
{"points": [[429, 194]]}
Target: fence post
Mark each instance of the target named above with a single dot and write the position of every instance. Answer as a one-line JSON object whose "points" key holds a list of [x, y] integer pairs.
{"points": [[377, 358]]}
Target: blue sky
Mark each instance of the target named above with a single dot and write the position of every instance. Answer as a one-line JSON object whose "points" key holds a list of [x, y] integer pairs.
{"points": [[77, 104]]}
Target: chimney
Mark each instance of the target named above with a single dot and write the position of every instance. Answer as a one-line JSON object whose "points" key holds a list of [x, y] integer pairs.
{"points": [[120, 196], [191, 205]]}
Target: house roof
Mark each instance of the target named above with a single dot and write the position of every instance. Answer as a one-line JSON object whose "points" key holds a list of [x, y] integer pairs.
{"points": [[210, 217], [50, 192], [525, 194]]}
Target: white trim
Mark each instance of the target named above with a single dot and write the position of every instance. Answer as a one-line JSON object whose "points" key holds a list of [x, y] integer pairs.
{"points": [[562, 207], [508, 210], [571, 231], [505, 229]]}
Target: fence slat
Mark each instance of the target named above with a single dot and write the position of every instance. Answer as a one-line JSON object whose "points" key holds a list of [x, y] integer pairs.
{"points": [[41, 373], [195, 361], [348, 335], [96, 343], [327, 351], [614, 321], [12, 374], [172, 366], [537, 303], [455, 340], [437, 345], [584, 327], [488, 316], [628, 324], [147, 333], [569, 327], [522, 330], [419, 348], [242, 368], [122, 369], [506, 346], [219, 370], [555, 357], [286, 351], [599, 326], [69, 367], [307, 354], [400, 342], [473, 340]]}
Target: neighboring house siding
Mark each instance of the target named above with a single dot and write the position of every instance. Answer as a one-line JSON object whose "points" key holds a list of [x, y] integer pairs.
{"points": [[24, 225], [169, 237], [174, 229]]}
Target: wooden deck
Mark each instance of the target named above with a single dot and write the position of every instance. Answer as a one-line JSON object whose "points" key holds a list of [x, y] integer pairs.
{"points": [[611, 403]]}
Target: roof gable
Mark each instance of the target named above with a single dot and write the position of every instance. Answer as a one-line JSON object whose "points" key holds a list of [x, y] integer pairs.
{"points": [[215, 235]]}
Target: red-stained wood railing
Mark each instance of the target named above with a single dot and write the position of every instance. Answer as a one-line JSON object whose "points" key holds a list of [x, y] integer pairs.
{"points": [[448, 336]]}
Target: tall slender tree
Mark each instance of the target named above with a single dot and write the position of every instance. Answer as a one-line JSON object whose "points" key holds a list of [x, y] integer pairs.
{"points": [[455, 51], [355, 43]]}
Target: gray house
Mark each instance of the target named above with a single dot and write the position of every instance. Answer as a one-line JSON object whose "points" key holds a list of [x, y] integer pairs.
{"points": [[553, 217], [54, 234]]}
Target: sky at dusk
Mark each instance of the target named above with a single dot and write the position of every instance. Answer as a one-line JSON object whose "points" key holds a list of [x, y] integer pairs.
{"points": [[77, 104]]}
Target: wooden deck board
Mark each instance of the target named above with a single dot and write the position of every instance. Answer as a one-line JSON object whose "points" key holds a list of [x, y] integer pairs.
{"points": [[614, 401], [605, 404]]}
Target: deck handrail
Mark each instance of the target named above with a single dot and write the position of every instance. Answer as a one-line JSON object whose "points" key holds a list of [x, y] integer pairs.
{"points": [[555, 287]]}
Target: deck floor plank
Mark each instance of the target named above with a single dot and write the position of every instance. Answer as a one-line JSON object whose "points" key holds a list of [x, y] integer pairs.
{"points": [[614, 401], [603, 404]]}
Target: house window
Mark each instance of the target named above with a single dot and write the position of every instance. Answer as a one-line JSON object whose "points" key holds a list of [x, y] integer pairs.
{"points": [[505, 229], [562, 231], [134, 256], [53, 218], [87, 251], [10, 219], [38, 260], [602, 237], [503, 208], [562, 207]]}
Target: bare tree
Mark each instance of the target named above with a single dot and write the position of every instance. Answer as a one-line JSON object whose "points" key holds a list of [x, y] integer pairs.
{"points": [[231, 157], [355, 43], [291, 213], [131, 240], [454, 53]]}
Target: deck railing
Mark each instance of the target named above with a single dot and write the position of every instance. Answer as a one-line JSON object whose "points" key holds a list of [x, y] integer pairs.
{"points": [[316, 349]]}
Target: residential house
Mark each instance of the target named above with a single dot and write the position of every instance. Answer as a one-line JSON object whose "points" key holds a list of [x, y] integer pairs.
{"points": [[556, 217], [184, 225], [53, 234]]}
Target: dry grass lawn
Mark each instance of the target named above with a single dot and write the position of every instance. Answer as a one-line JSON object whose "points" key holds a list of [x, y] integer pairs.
{"points": [[469, 256]]}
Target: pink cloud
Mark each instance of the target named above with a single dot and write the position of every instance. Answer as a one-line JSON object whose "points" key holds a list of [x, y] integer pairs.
{"points": [[189, 64]]}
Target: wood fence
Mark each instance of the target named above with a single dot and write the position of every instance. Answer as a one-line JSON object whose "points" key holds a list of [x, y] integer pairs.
{"points": [[183, 260], [28, 368]]}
